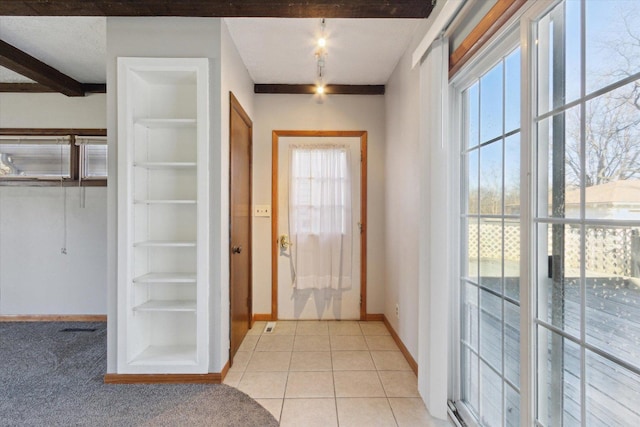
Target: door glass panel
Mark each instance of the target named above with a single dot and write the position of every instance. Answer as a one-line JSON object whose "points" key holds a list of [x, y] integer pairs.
{"points": [[612, 47], [490, 176], [512, 259], [559, 162], [613, 154], [512, 407], [469, 315], [491, 253], [612, 272], [613, 393], [491, 104], [472, 182], [491, 396], [559, 276], [512, 343], [558, 380], [491, 329], [588, 215], [512, 92], [472, 230], [512, 175]]}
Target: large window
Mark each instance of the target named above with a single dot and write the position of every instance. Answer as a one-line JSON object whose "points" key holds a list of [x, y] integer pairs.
{"points": [[587, 219], [490, 222], [550, 274]]}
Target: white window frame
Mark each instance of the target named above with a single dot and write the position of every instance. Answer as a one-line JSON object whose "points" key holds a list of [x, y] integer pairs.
{"points": [[525, 22], [518, 29]]}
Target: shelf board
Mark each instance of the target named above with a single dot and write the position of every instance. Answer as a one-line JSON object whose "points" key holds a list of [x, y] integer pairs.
{"points": [[166, 355], [166, 123], [166, 244], [165, 165], [167, 306], [166, 202], [166, 278]]}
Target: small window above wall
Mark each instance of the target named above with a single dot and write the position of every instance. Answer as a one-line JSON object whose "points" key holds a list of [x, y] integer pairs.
{"points": [[93, 157], [53, 157], [35, 157]]}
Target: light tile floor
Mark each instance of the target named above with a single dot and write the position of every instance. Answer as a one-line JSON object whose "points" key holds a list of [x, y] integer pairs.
{"points": [[329, 373]]}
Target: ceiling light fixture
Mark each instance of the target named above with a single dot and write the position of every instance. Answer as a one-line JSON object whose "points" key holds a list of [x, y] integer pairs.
{"points": [[321, 54]]}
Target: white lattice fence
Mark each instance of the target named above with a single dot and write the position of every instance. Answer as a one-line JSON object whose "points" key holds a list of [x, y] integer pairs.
{"points": [[491, 240], [608, 250]]}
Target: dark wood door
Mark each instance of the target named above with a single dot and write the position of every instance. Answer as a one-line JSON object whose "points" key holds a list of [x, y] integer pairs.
{"points": [[240, 137]]}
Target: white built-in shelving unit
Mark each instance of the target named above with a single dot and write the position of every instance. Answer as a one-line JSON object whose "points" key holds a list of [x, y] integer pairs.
{"points": [[163, 202]]}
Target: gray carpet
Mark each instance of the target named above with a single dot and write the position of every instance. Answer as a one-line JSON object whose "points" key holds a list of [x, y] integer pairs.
{"points": [[53, 378]]}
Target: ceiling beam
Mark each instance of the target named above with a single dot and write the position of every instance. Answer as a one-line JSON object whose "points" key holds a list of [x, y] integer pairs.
{"points": [[222, 8], [311, 89], [22, 63], [24, 88], [38, 88]]}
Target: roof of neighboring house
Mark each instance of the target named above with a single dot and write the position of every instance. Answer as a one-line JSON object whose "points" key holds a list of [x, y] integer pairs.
{"points": [[618, 192]]}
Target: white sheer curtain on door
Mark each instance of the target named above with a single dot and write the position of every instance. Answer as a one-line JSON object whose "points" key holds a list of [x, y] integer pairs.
{"points": [[320, 216]]}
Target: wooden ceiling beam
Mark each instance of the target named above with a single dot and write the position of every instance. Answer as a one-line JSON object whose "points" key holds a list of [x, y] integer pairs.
{"points": [[22, 63], [222, 8], [39, 88], [24, 88], [310, 89]]}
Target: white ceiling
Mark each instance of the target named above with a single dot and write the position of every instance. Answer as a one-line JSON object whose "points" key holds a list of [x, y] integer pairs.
{"points": [[360, 51], [76, 46]]}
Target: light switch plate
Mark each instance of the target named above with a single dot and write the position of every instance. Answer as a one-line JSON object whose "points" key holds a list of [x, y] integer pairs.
{"points": [[262, 210]]}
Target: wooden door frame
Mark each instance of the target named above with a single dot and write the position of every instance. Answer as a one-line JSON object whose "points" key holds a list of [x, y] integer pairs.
{"points": [[234, 105], [275, 135]]}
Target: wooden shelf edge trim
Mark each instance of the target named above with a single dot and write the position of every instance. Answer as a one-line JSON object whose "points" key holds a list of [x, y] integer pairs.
{"points": [[53, 318], [210, 378], [403, 349], [497, 16]]}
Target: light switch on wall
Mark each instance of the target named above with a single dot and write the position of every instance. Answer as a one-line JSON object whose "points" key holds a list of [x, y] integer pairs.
{"points": [[262, 210]]}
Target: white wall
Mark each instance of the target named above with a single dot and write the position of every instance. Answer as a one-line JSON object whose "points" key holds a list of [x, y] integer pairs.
{"points": [[402, 201], [52, 110], [303, 112], [234, 78], [413, 228], [169, 37], [35, 277]]}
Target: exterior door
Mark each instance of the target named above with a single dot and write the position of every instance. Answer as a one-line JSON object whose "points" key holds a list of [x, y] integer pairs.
{"points": [[240, 134], [315, 304]]}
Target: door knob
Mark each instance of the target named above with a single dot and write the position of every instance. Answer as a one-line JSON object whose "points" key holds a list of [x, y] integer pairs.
{"points": [[236, 249], [284, 242]]}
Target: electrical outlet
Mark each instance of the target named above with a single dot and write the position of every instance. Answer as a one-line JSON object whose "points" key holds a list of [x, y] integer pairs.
{"points": [[262, 210], [397, 311]]}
